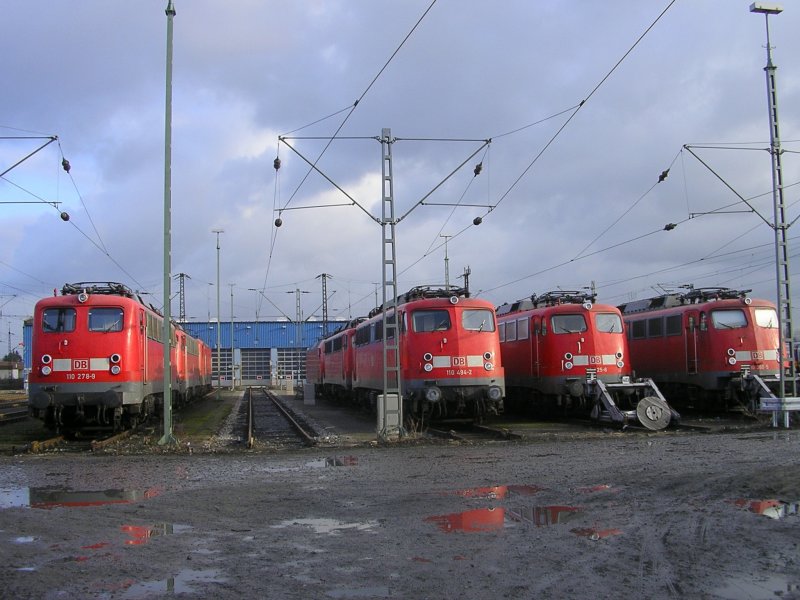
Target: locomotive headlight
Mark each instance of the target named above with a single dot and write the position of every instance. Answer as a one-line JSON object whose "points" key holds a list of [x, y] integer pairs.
{"points": [[115, 369], [46, 370], [731, 352], [568, 356], [618, 355], [494, 393], [46, 359], [731, 361], [427, 357], [487, 356], [428, 367], [620, 364], [115, 358], [568, 365], [433, 394], [488, 366]]}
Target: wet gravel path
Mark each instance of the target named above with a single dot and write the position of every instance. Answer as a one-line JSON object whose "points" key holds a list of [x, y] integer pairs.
{"points": [[632, 516]]}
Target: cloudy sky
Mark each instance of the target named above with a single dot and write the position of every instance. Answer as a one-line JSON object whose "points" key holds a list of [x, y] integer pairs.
{"points": [[568, 193]]}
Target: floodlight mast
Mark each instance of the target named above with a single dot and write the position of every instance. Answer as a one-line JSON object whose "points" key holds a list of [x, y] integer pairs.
{"points": [[783, 277]]}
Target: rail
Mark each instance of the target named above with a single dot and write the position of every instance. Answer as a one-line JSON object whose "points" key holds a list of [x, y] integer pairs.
{"points": [[309, 439]]}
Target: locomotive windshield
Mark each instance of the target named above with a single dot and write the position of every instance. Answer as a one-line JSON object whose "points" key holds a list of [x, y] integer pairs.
{"points": [[431, 320], [766, 317], [105, 319], [728, 319], [58, 319], [608, 323], [569, 324], [478, 320]]}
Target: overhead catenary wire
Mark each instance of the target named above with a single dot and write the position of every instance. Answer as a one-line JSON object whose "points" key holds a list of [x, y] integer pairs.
{"points": [[350, 110], [573, 111]]}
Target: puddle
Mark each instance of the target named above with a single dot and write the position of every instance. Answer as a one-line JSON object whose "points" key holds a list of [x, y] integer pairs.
{"points": [[494, 519], [333, 526], [373, 592], [471, 521], [185, 582], [757, 587], [333, 461], [545, 516], [774, 509], [28, 539], [54, 497], [594, 488], [596, 534], [500, 491], [141, 534]]}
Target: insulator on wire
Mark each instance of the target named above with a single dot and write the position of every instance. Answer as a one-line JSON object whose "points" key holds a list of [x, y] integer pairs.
{"points": [[277, 163], [278, 222], [65, 165], [669, 226], [478, 169], [663, 176], [477, 221], [64, 216]]}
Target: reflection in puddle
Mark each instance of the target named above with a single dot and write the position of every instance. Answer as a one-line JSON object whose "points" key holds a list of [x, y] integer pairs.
{"points": [[774, 509], [470, 521], [594, 488], [596, 534], [141, 534], [500, 491], [494, 519], [184, 582], [322, 525], [55, 497], [333, 461], [28, 539]]}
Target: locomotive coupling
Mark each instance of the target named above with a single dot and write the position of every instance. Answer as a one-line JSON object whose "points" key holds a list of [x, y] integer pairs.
{"points": [[494, 393], [433, 394], [41, 400]]}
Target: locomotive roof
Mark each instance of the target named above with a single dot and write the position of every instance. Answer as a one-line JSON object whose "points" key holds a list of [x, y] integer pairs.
{"points": [[422, 292], [553, 298], [110, 288], [693, 296]]}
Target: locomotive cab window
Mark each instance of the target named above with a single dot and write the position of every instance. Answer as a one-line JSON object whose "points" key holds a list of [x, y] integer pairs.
{"points": [[766, 317], [568, 324], [608, 323], [728, 319], [58, 320], [431, 320], [477, 320], [105, 319]]}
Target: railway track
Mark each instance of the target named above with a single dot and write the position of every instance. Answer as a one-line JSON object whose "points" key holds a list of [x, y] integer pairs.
{"points": [[13, 412], [474, 433], [271, 424]]}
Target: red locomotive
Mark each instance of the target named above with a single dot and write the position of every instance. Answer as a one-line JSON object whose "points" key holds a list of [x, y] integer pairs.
{"points": [[449, 357], [708, 347], [97, 359], [563, 354]]}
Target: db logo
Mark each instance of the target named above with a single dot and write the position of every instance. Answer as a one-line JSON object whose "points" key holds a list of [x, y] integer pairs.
{"points": [[80, 364]]}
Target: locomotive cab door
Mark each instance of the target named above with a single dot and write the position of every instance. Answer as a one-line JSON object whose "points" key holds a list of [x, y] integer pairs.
{"points": [[143, 342], [692, 328], [536, 324]]}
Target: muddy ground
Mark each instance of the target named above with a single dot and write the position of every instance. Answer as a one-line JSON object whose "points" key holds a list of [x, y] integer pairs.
{"points": [[614, 515]]}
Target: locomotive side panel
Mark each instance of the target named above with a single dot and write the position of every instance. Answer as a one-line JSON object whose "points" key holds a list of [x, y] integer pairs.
{"points": [[706, 350]]}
